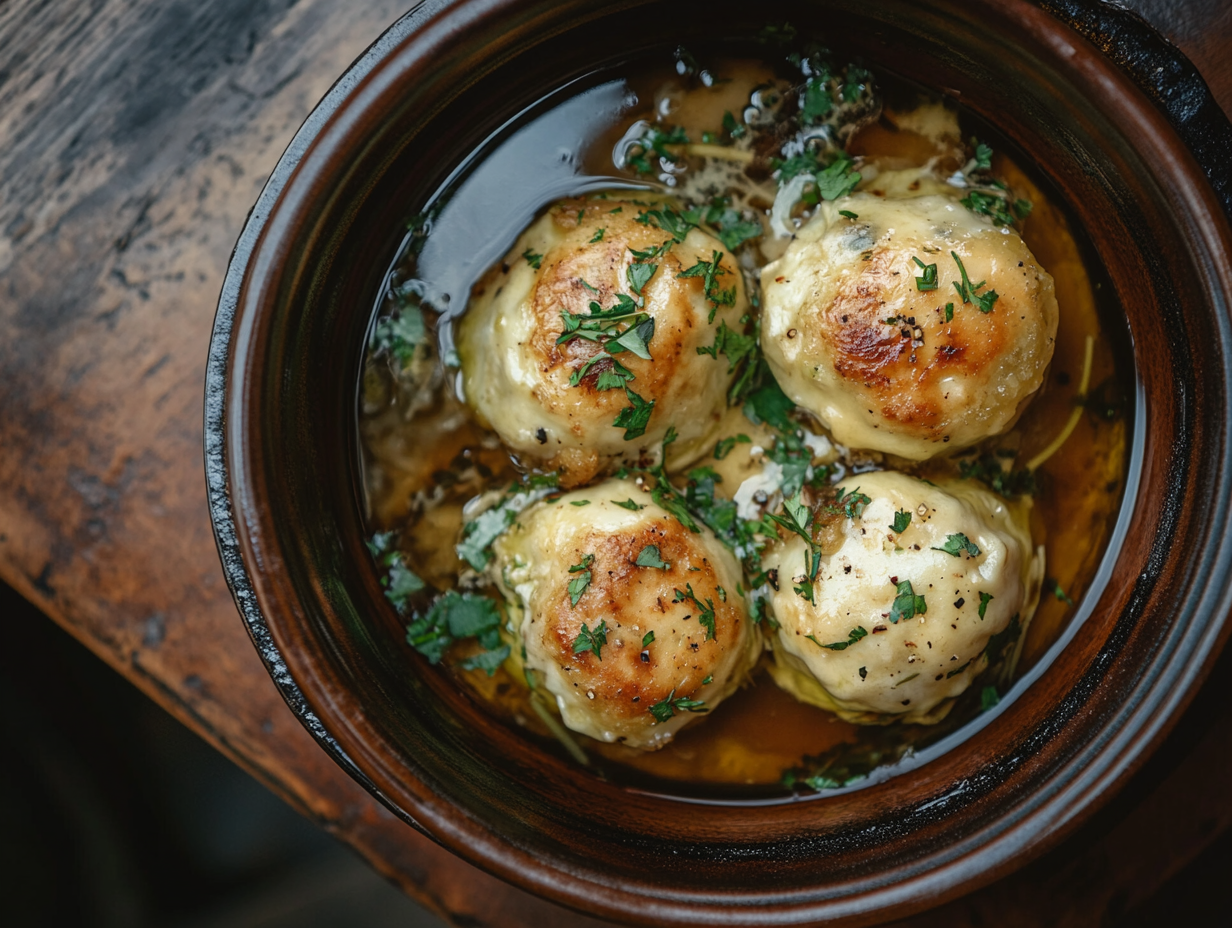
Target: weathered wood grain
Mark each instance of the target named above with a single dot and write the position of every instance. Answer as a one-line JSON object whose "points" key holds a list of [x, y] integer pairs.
{"points": [[134, 137]]}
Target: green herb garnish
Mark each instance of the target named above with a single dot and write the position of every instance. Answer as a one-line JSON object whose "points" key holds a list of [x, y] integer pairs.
{"points": [[578, 585], [985, 599], [635, 417], [967, 291], [927, 280], [955, 545], [907, 604], [856, 634], [664, 710], [592, 641], [533, 259], [649, 557], [902, 518]]}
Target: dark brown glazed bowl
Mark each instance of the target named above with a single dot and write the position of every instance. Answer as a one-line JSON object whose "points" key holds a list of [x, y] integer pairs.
{"points": [[283, 472]]}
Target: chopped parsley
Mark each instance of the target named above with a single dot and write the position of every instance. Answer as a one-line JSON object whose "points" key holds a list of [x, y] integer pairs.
{"points": [[949, 312], [733, 128], [831, 182], [989, 697], [723, 447], [399, 336], [666, 708], [709, 271], [649, 557], [967, 290], [653, 144], [648, 639], [579, 502], [480, 532], [769, 404], [850, 504], [1054, 588], [639, 275], [956, 544], [985, 599], [816, 102], [598, 236], [578, 585], [453, 617], [635, 417], [592, 641], [705, 615], [732, 345], [856, 634], [399, 582], [996, 207], [675, 224], [902, 518], [628, 504], [533, 259], [849, 214], [799, 519], [732, 228], [988, 468], [927, 280], [907, 604]]}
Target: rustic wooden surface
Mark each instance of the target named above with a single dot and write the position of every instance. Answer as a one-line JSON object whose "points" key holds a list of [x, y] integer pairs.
{"points": [[134, 136]]}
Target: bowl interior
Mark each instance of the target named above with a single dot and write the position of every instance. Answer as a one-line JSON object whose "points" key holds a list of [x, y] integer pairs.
{"points": [[289, 349]]}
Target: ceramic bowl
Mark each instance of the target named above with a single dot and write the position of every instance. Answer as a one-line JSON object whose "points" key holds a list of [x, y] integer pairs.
{"points": [[284, 475]]}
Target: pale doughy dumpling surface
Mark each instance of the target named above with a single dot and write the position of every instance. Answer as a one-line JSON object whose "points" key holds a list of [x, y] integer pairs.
{"points": [[852, 339], [609, 696], [517, 377], [914, 667]]}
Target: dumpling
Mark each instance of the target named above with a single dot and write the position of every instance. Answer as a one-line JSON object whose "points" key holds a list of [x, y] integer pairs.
{"points": [[634, 624], [908, 326], [570, 389], [914, 582]]}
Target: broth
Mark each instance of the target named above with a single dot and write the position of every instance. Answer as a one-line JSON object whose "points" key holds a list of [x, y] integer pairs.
{"points": [[426, 458]]}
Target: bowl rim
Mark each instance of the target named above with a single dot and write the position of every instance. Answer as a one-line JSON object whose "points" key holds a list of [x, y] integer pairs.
{"points": [[1057, 27]]}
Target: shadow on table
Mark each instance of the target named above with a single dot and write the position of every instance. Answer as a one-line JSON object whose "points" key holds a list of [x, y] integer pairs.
{"points": [[114, 814]]}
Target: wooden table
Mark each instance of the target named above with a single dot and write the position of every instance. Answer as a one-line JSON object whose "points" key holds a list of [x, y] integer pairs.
{"points": [[134, 137]]}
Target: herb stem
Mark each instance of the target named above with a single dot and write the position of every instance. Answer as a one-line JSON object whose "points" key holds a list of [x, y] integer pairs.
{"points": [[1074, 416], [720, 152]]}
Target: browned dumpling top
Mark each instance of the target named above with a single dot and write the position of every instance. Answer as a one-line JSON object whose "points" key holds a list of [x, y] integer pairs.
{"points": [[567, 400], [910, 326], [633, 623]]}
